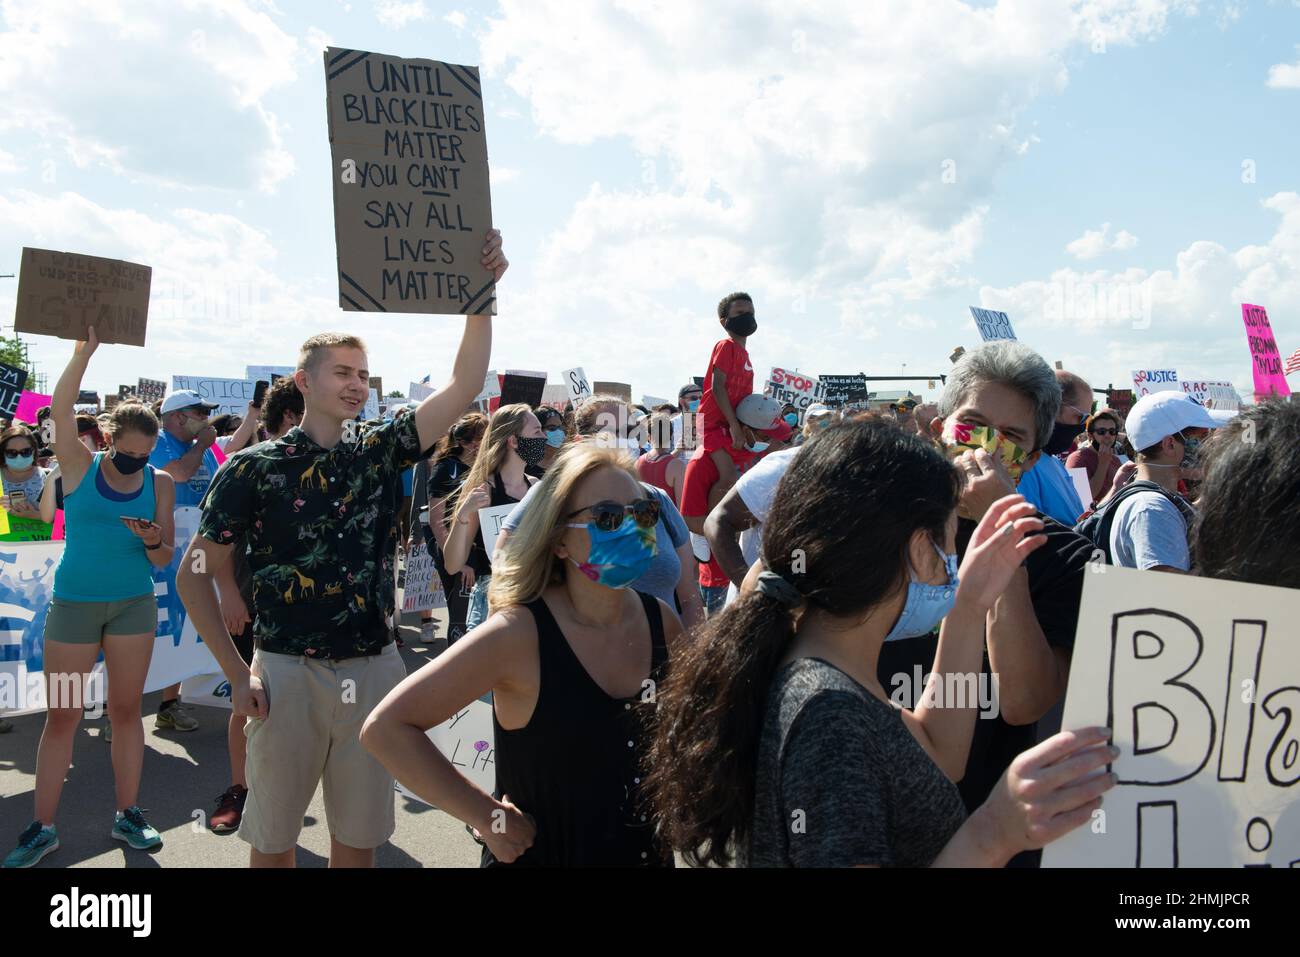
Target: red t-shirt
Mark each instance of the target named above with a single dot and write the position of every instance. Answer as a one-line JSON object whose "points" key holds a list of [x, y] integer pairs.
{"points": [[733, 360]]}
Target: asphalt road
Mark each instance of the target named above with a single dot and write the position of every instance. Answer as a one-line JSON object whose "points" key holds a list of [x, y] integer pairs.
{"points": [[183, 775]]}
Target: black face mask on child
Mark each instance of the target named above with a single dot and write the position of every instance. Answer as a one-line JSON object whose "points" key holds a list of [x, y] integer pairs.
{"points": [[742, 325]]}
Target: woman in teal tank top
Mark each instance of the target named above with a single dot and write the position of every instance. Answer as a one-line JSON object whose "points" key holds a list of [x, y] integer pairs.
{"points": [[119, 527]]}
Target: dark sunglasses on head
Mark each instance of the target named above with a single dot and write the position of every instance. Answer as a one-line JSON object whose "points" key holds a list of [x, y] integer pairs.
{"points": [[607, 516], [1105, 431]]}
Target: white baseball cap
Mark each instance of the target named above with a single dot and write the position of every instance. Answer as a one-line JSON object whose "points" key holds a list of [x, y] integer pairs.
{"points": [[763, 413], [186, 399], [816, 409], [1161, 414]]}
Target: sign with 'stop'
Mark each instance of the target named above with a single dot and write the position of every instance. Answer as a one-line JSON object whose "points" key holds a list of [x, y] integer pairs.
{"points": [[63, 294], [796, 388], [1199, 681], [412, 207]]}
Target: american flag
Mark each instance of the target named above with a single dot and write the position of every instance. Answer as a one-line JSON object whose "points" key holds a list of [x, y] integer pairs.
{"points": [[1293, 362]]}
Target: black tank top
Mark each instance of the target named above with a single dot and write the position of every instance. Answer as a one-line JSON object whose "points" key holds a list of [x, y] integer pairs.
{"points": [[577, 765], [478, 556]]}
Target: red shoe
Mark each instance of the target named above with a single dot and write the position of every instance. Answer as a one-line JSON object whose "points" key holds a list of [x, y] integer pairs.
{"points": [[230, 809]]}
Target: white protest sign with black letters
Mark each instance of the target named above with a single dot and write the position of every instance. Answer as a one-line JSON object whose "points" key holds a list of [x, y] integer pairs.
{"points": [[992, 325], [229, 395], [467, 740], [490, 520], [1199, 681], [577, 382], [1146, 381]]}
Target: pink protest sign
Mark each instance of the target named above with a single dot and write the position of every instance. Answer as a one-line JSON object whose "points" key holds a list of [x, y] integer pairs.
{"points": [[28, 406], [58, 533], [1266, 362]]}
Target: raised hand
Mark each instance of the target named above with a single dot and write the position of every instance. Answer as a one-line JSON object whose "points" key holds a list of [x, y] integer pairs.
{"points": [[85, 348], [494, 258], [1001, 542]]}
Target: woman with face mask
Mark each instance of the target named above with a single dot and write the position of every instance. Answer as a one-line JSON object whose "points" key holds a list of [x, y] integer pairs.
{"points": [[514, 441], [775, 740], [552, 423], [451, 462], [23, 480], [119, 529], [573, 658]]}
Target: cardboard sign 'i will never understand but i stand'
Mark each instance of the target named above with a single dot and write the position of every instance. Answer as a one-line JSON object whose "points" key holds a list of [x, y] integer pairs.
{"points": [[412, 206]]}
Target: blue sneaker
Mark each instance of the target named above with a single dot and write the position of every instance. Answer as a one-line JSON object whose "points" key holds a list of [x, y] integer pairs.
{"points": [[130, 826], [33, 844]]}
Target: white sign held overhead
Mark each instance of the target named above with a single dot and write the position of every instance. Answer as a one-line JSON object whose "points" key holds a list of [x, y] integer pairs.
{"points": [[1199, 681], [1146, 381], [992, 325], [230, 395], [578, 384]]}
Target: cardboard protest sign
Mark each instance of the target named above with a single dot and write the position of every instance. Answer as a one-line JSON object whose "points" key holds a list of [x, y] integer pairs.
{"points": [[490, 520], [150, 390], [1200, 681], [61, 294], [230, 395], [1223, 395], [1146, 381], [412, 205], [840, 390], [1266, 361], [576, 382], [620, 389], [796, 388], [268, 373], [992, 325], [29, 403], [377, 383], [522, 388], [12, 380], [110, 402]]}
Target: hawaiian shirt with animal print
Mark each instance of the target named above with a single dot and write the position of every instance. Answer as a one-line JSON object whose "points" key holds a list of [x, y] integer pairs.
{"points": [[321, 526]]}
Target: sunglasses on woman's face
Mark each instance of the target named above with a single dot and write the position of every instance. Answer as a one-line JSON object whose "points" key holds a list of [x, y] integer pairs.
{"points": [[1105, 431], [18, 453], [607, 516]]}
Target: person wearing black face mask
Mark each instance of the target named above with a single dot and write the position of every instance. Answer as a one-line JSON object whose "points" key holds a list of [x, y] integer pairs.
{"points": [[119, 528], [1048, 486]]}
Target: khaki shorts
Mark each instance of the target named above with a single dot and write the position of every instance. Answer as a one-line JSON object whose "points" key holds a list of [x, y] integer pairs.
{"points": [[311, 735]]}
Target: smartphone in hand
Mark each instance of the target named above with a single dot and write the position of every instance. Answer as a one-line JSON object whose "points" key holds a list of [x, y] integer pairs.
{"points": [[259, 392]]}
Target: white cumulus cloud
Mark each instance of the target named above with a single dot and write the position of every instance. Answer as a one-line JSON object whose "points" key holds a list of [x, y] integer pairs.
{"points": [[1095, 242]]}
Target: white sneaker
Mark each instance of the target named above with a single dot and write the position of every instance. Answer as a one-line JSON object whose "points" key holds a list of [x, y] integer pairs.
{"points": [[428, 631]]}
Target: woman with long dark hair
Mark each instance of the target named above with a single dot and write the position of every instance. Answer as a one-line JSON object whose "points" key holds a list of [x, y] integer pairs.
{"points": [[775, 740], [1248, 515], [514, 440], [451, 462]]}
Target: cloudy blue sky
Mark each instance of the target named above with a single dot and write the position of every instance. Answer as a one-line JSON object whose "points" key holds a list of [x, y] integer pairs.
{"points": [[1118, 175]]}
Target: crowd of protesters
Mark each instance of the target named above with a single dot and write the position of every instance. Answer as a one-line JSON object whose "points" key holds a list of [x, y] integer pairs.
{"points": [[689, 622]]}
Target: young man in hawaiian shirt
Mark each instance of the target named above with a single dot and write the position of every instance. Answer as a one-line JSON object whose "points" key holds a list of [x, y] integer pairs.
{"points": [[319, 508]]}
